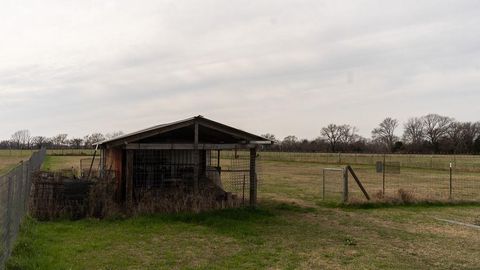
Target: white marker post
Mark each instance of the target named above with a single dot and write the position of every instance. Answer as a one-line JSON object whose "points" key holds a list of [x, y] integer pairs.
{"points": [[450, 196]]}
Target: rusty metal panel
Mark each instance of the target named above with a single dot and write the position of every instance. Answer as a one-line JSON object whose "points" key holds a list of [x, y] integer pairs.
{"points": [[114, 160]]}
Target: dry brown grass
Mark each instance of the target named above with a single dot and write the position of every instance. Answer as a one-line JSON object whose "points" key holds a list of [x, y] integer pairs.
{"points": [[179, 199], [7, 163], [50, 199]]}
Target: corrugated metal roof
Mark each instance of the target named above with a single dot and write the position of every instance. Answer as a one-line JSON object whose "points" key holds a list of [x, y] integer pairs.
{"points": [[158, 127]]}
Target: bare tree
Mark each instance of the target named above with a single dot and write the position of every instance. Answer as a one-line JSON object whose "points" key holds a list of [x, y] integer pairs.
{"points": [[16, 139], [462, 136], [271, 137], [470, 132], [92, 139], [60, 140], [290, 139], [114, 134], [333, 134], [336, 135], [414, 132], [76, 143], [436, 128], [21, 138], [385, 133], [39, 141], [348, 134]]}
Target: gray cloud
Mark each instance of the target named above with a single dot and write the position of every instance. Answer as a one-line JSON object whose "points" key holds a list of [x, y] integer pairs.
{"points": [[286, 67]]}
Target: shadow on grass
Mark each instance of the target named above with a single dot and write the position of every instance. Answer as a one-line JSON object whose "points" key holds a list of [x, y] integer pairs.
{"points": [[241, 223]]}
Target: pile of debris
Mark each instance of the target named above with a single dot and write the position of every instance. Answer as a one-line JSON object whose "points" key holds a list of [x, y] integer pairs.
{"points": [[58, 195]]}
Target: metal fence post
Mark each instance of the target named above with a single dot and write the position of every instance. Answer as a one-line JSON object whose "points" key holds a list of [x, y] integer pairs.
{"points": [[384, 165], [323, 185], [451, 187], [8, 221], [18, 184]]}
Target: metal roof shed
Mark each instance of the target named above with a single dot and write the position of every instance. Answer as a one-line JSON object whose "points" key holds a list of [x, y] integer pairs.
{"points": [[181, 151]]}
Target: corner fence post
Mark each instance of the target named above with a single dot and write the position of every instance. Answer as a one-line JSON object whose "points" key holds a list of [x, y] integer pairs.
{"points": [[345, 185]]}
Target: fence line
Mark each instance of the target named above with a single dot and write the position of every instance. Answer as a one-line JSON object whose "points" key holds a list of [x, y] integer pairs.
{"points": [[465, 163], [416, 177], [392, 181], [14, 194], [50, 152]]}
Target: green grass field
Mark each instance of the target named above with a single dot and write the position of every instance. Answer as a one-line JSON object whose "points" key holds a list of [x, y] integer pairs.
{"points": [[293, 228]]}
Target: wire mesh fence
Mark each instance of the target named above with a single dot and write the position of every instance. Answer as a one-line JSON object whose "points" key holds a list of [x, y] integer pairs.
{"points": [[50, 152], [332, 184], [14, 194], [470, 163], [234, 169], [419, 184], [420, 177]]}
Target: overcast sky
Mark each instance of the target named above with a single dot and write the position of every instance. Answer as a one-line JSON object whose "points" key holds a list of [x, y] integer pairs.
{"points": [[283, 67]]}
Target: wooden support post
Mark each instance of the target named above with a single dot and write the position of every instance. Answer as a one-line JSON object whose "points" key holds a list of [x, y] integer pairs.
{"points": [[253, 177], [91, 164], [129, 178], [196, 157], [345, 185], [359, 183]]}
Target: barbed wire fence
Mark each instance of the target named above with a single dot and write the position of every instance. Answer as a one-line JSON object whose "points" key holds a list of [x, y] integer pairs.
{"points": [[14, 194]]}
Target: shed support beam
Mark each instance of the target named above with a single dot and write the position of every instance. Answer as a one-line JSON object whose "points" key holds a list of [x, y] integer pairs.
{"points": [[196, 157], [129, 178], [253, 177], [188, 146]]}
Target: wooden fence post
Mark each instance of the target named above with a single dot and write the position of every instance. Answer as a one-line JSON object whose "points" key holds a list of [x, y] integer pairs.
{"points": [[359, 183], [196, 161], [345, 185]]}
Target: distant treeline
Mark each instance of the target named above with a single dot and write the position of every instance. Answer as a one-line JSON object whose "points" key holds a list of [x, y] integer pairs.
{"points": [[428, 134], [22, 139], [431, 133]]}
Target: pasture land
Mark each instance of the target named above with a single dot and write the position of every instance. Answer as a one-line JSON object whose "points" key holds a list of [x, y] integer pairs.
{"points": [[294, 228], [8, 160]]}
